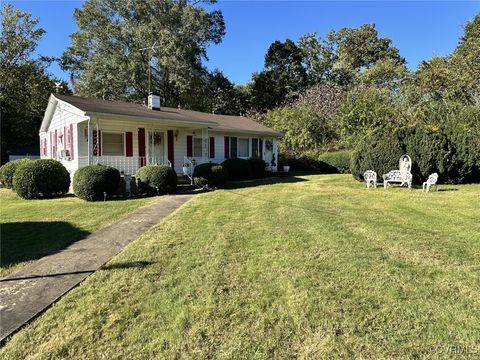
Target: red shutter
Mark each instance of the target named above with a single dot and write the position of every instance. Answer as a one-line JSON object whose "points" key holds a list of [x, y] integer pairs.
{"points": [[212, 147], [141, 146], [227, 147], [97, 143], [170, 147], [51, 145], [128, 144], [189, 145], [260, 148], [64, 138], [71, 142], [55, 144]]}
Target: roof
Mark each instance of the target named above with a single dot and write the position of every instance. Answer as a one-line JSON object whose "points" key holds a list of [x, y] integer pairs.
{"points": [[213, 121]]}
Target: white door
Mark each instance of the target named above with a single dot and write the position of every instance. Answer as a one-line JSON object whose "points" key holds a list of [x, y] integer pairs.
{"points": [[156, 146]]}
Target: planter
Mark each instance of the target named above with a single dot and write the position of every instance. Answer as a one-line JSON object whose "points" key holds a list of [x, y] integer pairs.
{"points": [[286, 168]]}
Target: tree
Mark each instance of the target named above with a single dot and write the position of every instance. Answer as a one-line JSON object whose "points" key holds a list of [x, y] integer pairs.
{"points": [[221, 96], [25, 83], [282, 80], [302, 129], [105, 59]]}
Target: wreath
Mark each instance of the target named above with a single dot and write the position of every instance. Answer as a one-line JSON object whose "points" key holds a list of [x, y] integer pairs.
{"points": [[269, 145]]}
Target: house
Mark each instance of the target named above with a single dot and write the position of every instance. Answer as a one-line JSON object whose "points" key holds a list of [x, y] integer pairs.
{"points": [[79, 131]]}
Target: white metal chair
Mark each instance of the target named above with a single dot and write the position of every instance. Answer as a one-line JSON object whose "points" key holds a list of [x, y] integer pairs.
{"points": [[432, 180], [370, 178]]}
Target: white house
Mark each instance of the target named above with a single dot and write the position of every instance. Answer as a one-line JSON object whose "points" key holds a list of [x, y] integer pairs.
{"points": [[80, 131]]}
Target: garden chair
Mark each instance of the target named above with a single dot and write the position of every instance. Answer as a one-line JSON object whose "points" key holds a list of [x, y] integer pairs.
{"points": [[370, 178], [432, 180]]}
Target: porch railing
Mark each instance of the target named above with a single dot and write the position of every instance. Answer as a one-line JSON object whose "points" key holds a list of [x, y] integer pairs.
{"points": [[189, 164], [127, 165]]}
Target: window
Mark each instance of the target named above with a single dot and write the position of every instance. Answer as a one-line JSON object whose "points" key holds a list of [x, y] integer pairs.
{"points": [[243, 148], [233, 147], [254, 148], [197, 147], [113, 144], [67, 138]]}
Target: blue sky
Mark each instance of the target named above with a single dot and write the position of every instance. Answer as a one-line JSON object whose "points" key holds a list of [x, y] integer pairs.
{"points": [[420, 29]]}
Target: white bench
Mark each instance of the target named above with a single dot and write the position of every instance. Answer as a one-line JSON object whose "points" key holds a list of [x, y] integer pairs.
{"points": [[397, 176]]}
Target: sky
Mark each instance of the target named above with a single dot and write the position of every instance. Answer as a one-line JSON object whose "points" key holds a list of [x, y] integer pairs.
{"points": [[420, 29]]}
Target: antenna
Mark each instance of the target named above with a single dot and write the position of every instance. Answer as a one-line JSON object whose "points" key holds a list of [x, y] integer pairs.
{"points": [[150, 50], [57, 85]]}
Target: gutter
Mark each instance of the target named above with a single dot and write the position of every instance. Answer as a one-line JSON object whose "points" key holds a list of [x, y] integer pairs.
{"points": [[136, 117]]}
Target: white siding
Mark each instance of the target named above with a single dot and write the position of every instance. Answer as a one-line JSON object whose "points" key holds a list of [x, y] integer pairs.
{"points": [[63, 116]]}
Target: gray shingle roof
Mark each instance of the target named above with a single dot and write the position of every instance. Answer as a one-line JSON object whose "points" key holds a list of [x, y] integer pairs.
{"points": [[214, 121]]}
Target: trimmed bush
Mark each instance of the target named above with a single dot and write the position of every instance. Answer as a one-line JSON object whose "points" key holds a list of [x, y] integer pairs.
{"points": [[379, 151], [338, 159], [258, 168], [201, 173], [156, 179], [8, 170], [211, 174], [452, 153], [304, 163], [43, 178], [219, 176], [91, 182], [238, 169]]}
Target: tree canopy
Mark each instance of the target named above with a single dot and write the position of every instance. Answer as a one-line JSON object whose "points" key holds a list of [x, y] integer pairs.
{"points": [[106, 60]]}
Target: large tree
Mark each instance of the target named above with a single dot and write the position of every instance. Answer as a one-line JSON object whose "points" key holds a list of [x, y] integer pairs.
{"points": [[283, 79], [106, 60], [25, 83]]}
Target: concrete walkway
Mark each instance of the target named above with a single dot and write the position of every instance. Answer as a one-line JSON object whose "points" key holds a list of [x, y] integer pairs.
{"points": [[27, 292]]}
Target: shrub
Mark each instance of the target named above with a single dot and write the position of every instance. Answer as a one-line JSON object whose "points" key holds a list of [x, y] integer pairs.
{"points": [[201, 173], [305, 163], [258, 168], [238, 169], [219, 176], [91, 182], [452, 153], [8, 170], [338, 159], [41, 179], [379, 151], [156, 179], [211, 174]]}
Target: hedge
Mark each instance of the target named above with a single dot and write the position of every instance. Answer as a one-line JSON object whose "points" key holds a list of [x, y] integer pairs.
{"points": [[43, 178], [211, 174], [156, 179], [238, 169], [338, 159], [8, 170], [91, 182], [453, 153], [258, 168], [305, 163]]}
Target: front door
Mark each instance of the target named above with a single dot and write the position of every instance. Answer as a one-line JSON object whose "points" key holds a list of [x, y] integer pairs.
{"points": [[156, 146]]}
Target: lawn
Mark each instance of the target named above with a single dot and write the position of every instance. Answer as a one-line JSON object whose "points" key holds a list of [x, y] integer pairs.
{"points": [[313, 267], [31, 229]]}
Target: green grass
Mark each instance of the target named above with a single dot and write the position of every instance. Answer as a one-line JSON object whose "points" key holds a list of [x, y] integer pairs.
{"points": [[314, 268], [31, 229]]}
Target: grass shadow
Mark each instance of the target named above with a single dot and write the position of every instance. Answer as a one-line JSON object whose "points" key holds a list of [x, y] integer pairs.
{"points": [[261, 182], [127, 265], [30, 240]]}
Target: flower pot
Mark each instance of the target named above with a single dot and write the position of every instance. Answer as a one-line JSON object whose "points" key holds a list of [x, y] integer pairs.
{"points": [[286, 168]]}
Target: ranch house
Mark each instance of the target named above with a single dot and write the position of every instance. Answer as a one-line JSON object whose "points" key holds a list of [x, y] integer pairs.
{"points": [[81, 131]]}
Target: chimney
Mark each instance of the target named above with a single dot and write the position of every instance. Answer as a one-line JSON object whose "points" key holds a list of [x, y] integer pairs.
{"points": [[154, 102]]}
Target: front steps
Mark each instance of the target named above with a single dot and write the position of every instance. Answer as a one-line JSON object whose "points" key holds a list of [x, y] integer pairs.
{"points": [[184, 184]]}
